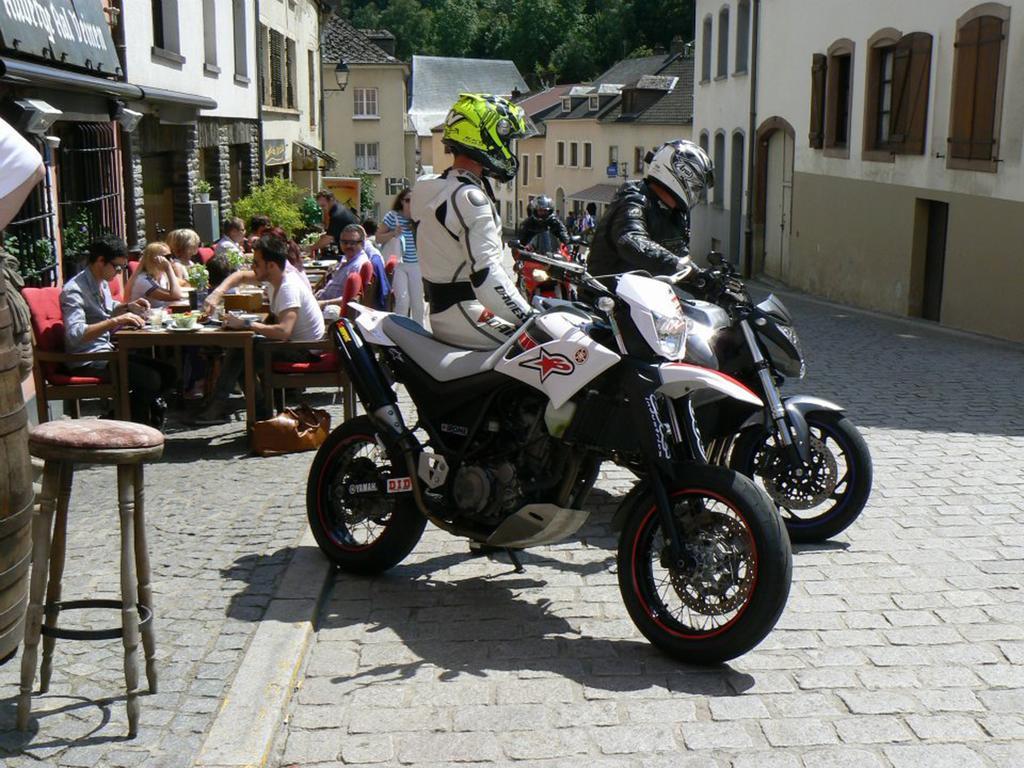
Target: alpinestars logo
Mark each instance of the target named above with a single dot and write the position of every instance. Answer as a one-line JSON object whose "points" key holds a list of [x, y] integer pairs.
{"points": [[548, 364]]}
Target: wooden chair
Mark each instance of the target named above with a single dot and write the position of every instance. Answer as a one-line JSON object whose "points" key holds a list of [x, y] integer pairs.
{"points": [[323, 372], [52, 378]]}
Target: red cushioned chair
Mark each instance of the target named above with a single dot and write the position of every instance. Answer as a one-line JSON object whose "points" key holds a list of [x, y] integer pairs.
{"points": [[205, 254], [52, 378], [323, 372]]}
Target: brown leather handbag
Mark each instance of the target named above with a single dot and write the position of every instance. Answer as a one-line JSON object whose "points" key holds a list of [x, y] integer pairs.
{"points": [[295, 429]]}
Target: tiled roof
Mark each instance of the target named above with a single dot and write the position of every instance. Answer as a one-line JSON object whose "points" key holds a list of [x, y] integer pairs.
{"points": [[437, 82], [340, 40], [609, 83], [675, 107], [541, 101]]}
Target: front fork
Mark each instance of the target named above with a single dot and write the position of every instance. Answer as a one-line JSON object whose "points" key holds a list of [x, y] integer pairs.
{"points": [[794, 442]]}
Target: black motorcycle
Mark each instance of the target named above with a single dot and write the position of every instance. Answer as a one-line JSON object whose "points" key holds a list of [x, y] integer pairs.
{"points": [[809, 457]]}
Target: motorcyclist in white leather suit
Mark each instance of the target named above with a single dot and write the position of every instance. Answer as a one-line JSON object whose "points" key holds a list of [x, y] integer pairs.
{"points": [[473, 300]]}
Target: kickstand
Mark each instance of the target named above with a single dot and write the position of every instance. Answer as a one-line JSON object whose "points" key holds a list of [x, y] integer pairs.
{"points": [[515, 560]]}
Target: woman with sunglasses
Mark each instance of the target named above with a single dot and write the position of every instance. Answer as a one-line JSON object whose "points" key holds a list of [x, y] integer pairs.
{"points": [[408, 281]]}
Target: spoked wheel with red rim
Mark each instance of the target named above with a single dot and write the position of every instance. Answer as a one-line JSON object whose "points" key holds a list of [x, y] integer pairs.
{"points": [[358, 502], [727, 590]]}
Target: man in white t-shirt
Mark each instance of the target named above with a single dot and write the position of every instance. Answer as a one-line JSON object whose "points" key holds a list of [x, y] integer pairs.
{"points": [[297, 317], [21, 168]]}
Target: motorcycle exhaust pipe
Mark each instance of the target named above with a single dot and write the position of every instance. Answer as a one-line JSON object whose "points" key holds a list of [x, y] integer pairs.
{"points": [[371, 386]]}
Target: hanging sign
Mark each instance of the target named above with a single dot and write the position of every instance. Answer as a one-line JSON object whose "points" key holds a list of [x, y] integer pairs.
{"points": [[69, 33]]}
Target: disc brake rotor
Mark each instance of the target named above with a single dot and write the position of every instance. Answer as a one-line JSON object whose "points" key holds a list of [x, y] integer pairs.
{"points": [[356, 494], [799, 488], [720, 571]]}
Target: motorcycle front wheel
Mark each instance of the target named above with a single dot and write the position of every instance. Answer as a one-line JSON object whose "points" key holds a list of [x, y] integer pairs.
{"points": [[730, 586], [361, 522], [830, 494]]}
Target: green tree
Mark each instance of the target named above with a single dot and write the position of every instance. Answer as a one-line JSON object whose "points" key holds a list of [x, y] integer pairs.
{"points": [[278, 199], [412, 25], [455, 27]]}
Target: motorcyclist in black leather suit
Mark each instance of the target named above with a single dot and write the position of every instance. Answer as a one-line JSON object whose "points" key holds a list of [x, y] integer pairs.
{"points": [[647, 225], [542, 218]]}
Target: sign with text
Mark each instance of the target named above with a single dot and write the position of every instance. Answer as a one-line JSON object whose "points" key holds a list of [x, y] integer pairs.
{"points": [[275, 152], [65, 32]]}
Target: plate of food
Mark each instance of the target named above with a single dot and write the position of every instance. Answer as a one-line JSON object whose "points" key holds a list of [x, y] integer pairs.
{"points": [[184, 321]]}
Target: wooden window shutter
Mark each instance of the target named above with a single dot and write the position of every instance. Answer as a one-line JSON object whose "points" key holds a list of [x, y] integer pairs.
{"points": [[276, 69], [819, 69], [912, 59], [975, 92]]}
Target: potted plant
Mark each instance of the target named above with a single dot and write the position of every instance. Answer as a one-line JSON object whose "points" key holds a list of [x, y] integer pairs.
{"points": [[199, 279], [203, 190]]}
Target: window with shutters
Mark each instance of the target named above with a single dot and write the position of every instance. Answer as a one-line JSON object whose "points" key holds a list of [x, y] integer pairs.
{"points": [[705, 51], [819, 72], [367, 157], [365, 103], [838, 94], [896, 94], [538, 166], [574, 155], [241, 38], [210, 37], [718, 191], [290, 74], [524, 167], [560, 156], [166, 33], [723, 43], [588, 155], [274, 92], [979, 73], [311, 69], [742, 36]]}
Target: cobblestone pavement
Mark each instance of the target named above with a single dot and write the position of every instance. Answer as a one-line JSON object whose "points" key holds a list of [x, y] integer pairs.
{"points": [[221, 528], [902, 643]]}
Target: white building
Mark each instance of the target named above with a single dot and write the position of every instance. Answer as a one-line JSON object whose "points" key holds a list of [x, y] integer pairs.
{"points": [[888, 169], [288, 41], [195, 62]]}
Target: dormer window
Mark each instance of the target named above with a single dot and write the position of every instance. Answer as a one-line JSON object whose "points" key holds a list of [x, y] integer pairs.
{"points": [[593, 103], [566, 104]]}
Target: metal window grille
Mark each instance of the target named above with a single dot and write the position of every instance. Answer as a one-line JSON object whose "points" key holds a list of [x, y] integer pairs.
{"points": [[91, 188], [32, 236]]}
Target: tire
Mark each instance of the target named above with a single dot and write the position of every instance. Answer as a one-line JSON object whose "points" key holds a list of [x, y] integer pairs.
{"points": [[718, 512], [366, 533], [848, 472]]}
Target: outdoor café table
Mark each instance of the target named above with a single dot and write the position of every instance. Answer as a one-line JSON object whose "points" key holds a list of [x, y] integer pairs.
{"points": [[206, 336]]}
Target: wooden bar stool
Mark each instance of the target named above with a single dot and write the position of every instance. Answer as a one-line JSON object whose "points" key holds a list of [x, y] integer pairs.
{"points": [[62, 444]]}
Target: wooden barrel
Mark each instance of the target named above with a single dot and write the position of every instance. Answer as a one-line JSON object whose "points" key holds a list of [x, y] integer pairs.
{"points": [[16, 497]]}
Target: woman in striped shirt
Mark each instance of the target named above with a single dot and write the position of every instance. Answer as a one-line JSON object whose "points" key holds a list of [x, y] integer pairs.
{"points": [[407, 286]]}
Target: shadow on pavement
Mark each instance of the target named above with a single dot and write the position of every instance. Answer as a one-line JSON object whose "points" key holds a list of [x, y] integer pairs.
{"points": [[501, 629], [14, 742]]}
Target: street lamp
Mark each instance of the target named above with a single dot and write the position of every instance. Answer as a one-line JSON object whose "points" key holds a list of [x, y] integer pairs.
{"points": [[341, 74]]}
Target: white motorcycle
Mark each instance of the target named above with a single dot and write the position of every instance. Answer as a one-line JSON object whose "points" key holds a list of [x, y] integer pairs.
{"points": [[515, 437]]}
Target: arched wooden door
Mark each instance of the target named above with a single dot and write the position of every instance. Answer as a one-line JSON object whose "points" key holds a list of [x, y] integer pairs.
{"points": [[773, 196], [778, 204]]}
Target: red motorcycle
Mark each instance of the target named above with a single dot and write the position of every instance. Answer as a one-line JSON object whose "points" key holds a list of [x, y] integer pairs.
{"points": [[532, 277]]}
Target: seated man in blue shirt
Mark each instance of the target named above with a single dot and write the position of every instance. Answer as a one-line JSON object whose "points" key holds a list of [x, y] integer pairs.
{"points": [[90, 315], [353, 257]]}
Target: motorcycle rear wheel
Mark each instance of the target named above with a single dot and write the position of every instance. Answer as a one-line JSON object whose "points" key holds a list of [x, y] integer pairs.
{"points": [[848, 458], [733, 584], [357, 523]]}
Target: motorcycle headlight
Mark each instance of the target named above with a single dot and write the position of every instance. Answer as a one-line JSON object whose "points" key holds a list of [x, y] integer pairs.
{"points": [[790, 333], [672, 331]]}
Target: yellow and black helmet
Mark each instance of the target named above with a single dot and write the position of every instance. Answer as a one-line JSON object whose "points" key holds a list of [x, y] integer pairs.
{"points": [[483, 127]]}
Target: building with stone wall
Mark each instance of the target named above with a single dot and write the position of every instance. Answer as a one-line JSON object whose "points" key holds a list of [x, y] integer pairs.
{"points": [[195, 61]]}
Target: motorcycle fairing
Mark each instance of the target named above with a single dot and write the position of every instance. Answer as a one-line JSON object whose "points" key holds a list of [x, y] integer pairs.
{"points": [[681, 379], [644, 295], [562, 366]]}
